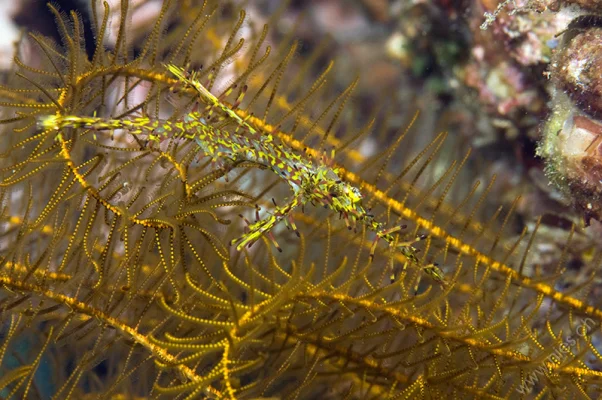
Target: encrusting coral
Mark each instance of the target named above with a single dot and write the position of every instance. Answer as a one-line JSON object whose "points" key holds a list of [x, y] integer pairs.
{"points": [[571, 136], [117, 281], [566, 47]]}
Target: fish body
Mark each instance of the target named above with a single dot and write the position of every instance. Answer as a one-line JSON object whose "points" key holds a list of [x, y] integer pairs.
{"points": [[236, 141]]}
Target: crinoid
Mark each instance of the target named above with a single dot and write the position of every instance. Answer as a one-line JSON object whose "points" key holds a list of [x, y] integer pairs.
{"points": [[121, 182]]}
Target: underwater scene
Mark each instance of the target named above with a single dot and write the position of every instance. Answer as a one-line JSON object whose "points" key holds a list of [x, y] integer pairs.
{"points": [[319, 199]]}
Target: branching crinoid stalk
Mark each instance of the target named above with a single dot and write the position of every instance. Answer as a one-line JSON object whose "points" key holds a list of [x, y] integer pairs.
{"points": [[114, 269]]}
